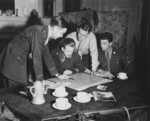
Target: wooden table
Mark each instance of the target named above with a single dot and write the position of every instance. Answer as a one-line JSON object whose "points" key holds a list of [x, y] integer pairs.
{"points": [[128, 93]]}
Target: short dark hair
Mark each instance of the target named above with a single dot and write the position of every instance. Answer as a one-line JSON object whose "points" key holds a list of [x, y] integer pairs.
{"points": [[107, 35], [66, 41], [86, 26], [58, 21]]}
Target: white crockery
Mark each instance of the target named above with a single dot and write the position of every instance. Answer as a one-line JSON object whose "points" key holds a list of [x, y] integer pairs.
{"points": [[122, 75], [82, 101], [37, 92], [82, 97], [61, 102], [60, 95], [62, 108], [60, 92]]}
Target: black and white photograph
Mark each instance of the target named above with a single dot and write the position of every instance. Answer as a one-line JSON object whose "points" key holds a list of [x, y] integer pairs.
{"points": [[74, 60]]}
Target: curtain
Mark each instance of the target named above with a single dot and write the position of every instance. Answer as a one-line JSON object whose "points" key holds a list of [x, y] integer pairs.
{"points": [[143, 47]]}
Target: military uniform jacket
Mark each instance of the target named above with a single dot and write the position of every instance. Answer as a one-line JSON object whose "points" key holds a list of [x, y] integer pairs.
{"points": [[118, 61], [13, 59], [72, 63]]}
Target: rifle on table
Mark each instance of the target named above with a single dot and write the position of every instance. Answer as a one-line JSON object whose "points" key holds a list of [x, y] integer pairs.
{"points": [[101, 112]]}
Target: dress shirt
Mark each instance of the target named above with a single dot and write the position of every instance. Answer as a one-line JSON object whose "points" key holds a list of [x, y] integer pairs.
{"points": [[89, 44]]}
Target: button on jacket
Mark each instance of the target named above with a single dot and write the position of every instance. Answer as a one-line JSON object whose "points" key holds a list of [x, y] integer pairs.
{"points": [[13, 59]]}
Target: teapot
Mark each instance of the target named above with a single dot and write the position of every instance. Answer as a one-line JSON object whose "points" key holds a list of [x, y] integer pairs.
{"points": [[37, 91]]}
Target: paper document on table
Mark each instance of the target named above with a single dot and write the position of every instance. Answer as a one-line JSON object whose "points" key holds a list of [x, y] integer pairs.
{"points": [[53, 85], [82, 81], [104, 96]]}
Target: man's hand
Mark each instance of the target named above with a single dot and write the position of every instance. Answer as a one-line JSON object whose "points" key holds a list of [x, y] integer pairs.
{"points": [[105, 74], [100, 74], [67, 72], [94, 73], [109, 75], [87, 71], [63, 76]]}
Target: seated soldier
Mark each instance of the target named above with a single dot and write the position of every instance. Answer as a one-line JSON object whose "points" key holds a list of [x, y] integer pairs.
{"points": [[66, 59], [112, 60]]}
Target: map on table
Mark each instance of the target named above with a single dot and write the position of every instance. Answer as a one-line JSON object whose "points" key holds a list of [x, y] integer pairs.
{"points": [[81, 81]]}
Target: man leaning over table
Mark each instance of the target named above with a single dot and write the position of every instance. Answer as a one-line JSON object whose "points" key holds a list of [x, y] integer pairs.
{"points": [[86, 44], [34, 40], [66, 59], [112, 60]]}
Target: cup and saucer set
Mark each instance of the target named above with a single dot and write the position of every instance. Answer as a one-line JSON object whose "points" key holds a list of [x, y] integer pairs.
{"points": [[62, 103], [122, 76], [82, 97]]}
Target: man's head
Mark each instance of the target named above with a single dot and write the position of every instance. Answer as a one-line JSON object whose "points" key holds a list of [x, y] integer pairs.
{"points": [[58, 25], [106, 41], [67, 46], [83, 31]]}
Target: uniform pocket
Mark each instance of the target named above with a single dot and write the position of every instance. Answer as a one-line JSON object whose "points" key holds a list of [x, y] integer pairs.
{"points": [[14, 51]]}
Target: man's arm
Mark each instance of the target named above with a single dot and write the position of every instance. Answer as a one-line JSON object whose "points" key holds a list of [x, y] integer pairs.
{"points": [[50, 64], [78, 63], [49, 61], [94, 53], [36, 50]]}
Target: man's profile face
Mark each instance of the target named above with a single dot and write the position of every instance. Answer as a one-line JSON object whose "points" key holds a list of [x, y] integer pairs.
{"points": [[68, 51], [58, 32], [82, 35], [105, 44]]}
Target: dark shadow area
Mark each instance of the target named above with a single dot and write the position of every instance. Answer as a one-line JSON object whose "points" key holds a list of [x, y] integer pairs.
{"points": [[142, 56], [72, 5], [71, 27]]}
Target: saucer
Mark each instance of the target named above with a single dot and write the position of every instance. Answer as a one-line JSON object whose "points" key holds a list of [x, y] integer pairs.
{"points": [[122, 78], [64, 95], [62, 108], [82, 101]]}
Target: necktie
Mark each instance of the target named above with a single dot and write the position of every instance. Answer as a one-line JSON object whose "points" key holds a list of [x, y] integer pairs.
{"points": [[79, 50], [79, 46], [108, 61]]}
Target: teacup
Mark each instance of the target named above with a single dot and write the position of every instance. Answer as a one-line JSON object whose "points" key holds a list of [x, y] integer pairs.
{"points": [[60, 91], [122, 75], [81, 96], [61, 102]]}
